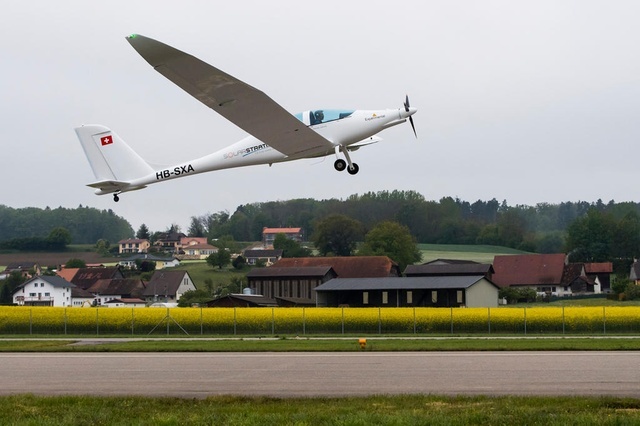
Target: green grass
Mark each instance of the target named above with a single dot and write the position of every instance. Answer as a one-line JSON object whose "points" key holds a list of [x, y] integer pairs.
{"points": [[199, 271], [328, 345], [476, 253], [374, 410]]}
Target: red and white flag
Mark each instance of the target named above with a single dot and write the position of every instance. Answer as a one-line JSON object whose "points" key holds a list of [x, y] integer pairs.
{"points": [[106, 140]]}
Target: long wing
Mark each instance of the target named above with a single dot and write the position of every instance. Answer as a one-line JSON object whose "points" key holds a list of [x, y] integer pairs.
{"points": [[243, 105]]}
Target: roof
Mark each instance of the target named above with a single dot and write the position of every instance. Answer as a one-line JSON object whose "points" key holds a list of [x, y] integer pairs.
{"points": [[126, 300], [528, 269], [67, 273], [281, 230], [263, 253], [598, 268], [128, 286], [164, 282], [132, 241], [54, 280], [399, 283], [86, 277], [348, 266], [571, 271], [449, 269], [304, 271], [449, 262], [249, 299], [20, 266], [81, 293], [147, 256]]}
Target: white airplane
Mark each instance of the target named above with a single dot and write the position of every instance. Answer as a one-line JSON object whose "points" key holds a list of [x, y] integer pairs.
{"points": [[275, 134]]}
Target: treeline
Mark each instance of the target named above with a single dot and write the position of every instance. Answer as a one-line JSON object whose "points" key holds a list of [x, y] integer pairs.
{"points": [[86, 225], [540, 228]]}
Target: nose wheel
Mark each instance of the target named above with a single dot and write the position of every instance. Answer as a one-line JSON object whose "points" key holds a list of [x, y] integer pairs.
{"points": [[116, 198]]}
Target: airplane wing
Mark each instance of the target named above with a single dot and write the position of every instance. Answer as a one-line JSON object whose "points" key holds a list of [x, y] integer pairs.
{"points": [[243, 105]]}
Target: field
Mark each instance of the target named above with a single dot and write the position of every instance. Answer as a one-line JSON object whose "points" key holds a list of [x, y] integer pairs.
{"points": [[375, 410], [476, 253]]}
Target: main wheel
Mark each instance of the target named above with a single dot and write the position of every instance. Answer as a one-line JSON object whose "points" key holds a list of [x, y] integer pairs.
{"points": [[116, 198], [340, 165], [353, 169]]}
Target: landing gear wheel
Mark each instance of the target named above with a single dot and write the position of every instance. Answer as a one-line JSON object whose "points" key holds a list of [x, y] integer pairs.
{"points": [[353, 169], [116, 198], [340, 165]]}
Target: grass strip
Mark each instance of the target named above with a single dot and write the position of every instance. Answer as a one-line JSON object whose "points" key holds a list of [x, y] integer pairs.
{"points": [[326, 345], [378, 410]]}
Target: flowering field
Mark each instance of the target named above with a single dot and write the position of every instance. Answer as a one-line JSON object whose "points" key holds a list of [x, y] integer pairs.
{"points": [[304, 321]]}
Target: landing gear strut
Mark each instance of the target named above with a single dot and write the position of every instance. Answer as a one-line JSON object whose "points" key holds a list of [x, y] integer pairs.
{"points": [[341, 165]]}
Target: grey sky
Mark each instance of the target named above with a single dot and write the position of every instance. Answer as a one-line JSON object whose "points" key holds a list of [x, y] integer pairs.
{"points": [[524, 101]]}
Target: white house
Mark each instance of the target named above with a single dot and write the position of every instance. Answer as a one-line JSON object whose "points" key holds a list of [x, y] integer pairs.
{"points": [[44, 290]]}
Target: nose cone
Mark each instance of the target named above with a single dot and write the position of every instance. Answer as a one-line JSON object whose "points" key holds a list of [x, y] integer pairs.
{"points": [[408, 112]]}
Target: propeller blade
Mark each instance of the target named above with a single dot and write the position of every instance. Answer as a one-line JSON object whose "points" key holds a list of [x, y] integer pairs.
{"points": [[406, 103], [413, 126]]}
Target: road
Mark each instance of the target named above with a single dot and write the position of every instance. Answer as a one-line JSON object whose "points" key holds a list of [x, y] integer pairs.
{"points": [[198, 375]]}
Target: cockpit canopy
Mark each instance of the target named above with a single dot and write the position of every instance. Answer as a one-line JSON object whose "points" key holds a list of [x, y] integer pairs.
{"points": [[319, 116]]}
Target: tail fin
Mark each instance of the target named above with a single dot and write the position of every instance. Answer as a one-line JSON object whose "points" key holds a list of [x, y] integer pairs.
{"points": [[113, 162]]}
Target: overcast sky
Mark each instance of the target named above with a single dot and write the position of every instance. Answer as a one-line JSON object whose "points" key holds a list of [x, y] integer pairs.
{"points": [[518, 100]]}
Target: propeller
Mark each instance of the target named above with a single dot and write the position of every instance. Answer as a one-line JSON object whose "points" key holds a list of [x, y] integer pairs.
{"points": [[406, 108]]}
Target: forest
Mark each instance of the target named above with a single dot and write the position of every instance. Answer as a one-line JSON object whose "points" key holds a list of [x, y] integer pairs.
{"points": [[86, 225]]}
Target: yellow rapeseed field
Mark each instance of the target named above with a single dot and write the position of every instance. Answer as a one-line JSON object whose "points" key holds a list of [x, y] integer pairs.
{"points": [[301, 321]]}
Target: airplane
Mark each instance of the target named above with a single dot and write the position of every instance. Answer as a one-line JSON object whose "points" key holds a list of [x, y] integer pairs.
{"points": [[275, 135]]}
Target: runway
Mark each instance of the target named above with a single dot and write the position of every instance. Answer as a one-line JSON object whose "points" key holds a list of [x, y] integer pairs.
{"points": [[198, 375]]}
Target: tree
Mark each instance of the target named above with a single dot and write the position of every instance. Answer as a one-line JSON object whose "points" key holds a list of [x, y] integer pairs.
{"points": [[219, 259], [337, 235], [143, 233], [393, 240], [196, 228], [102, 247], [239, 262], [75, 263], [590, 237], [59, 238], [9, 286], [191, 297], [289, 247]]}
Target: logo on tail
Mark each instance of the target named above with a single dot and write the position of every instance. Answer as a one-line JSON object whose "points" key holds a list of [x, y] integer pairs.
{"points": [[106, 140]]}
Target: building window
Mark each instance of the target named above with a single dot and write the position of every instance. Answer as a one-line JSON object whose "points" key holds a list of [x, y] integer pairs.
{"points": [[385, 297], [409, 297], [365, 297], [47, 295], [459, 296], [434, 296]]}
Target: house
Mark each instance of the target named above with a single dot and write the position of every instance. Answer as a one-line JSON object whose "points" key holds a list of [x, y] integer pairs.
{"points": [[133, 245], [26, 269], [269, 257], [242, 301], [44, 290], [429, 291], [294, 285], [634, 275], [168, 286], [269, 235], [542, 272], [600, 273], [197, 251], [117, 288], [192, 241], [126, 303], [81, 298], [169, 241], [160, 262]]}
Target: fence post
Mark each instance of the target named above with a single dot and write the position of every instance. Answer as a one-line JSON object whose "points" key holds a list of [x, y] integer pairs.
{"points": [[489, 318], [525, 320], [97, 323], [31, 321], [235, 327], [65, 321], [604, 320], [168, 316], [304, 323], [201, 325], [379, 322], [563, 320], [342, 320], [133, 321], [273, 322]]}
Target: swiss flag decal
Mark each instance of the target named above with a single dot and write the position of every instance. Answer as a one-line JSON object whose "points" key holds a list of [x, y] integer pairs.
{"points": [[106, 140]]}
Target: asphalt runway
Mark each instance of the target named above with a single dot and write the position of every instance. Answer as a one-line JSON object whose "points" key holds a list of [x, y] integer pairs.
{"points": [[198, 375]]}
